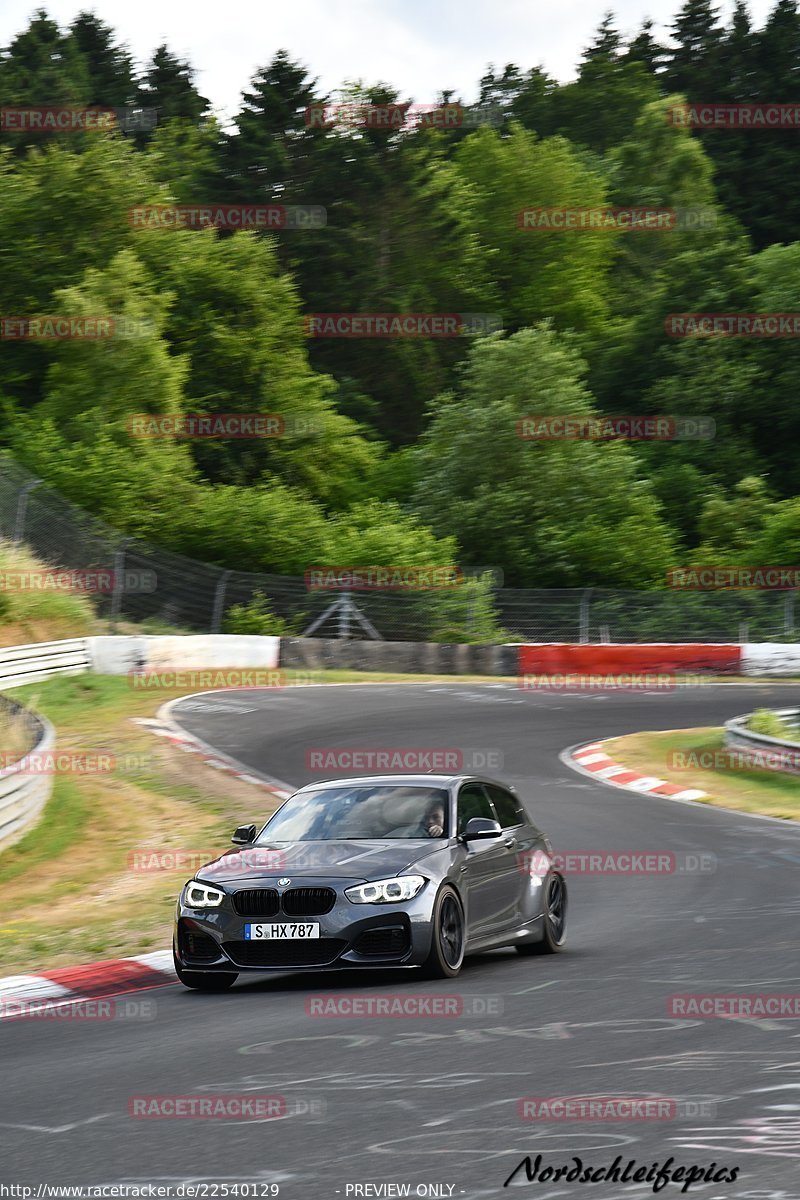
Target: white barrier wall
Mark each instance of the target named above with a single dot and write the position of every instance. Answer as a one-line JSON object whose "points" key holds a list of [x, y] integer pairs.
{"points": [[193, 652], [770, 658]]}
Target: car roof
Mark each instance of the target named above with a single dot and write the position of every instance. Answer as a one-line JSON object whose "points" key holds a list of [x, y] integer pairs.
{"points": [[440, 781]]}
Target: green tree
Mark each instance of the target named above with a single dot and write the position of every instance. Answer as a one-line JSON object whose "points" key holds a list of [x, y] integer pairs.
{"points": [[109, 67], [553, 513], [693, 65], [539, 274], [168, 85], [236, 317], [732, 526], [598, 109], [265, 157]]}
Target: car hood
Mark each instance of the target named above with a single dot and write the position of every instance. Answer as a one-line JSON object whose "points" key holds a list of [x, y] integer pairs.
{"points": [[341, 860]]}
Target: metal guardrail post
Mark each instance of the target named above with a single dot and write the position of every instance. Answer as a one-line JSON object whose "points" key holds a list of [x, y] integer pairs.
{"points": [[119, 582], [22, 508], [219, 601], [583, 616]]}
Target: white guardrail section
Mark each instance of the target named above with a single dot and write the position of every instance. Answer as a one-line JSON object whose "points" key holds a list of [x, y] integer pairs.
{"points": [[771, 753], [31, 664], [23, 796]]}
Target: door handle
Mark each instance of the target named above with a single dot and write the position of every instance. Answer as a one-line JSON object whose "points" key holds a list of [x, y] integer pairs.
{"points": [[511, 841]]}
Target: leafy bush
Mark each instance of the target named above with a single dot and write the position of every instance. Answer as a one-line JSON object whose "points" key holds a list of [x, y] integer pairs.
{"points": [[255, 617], [465, 613], [768, 723]]}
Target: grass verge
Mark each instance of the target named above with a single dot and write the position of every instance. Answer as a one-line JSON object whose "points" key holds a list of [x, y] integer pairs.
{"points": [[72, 892], [770, 793]]}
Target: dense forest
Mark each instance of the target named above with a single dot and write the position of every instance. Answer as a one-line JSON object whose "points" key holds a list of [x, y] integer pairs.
{"points": [[407, 450]]}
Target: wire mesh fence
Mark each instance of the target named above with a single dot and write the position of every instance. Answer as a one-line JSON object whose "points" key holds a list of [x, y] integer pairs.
{"points": [[150, 584]]}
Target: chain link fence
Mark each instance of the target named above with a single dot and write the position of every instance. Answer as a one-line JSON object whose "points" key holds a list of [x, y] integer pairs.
{"points": [[187, 594]]}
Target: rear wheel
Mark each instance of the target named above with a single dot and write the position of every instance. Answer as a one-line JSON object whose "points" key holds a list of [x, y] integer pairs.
{"points": [[554, 921], [447, 941], [205, 981]]}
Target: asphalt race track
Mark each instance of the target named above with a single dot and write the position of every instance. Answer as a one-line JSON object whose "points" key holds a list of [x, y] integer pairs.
{"points": [[434, 1101]]}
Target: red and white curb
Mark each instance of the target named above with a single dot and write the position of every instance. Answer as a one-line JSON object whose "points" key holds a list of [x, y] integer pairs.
{"points": [[593, 760], [163, 726], [23, 995]]}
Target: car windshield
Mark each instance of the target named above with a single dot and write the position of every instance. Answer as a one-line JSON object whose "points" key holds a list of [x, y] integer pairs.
{"points": [[360, 813]]}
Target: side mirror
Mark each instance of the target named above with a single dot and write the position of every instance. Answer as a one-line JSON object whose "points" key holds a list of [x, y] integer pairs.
{"points": [[244, 835], [480, 828]]}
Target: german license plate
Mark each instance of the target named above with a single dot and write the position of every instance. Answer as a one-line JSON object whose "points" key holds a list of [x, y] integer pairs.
{"points": [[280, 931]]}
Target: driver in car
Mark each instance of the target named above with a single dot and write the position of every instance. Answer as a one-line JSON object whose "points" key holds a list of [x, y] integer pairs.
{"points": [[431, 824]]}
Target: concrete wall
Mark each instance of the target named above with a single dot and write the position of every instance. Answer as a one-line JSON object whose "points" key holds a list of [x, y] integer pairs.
{"points": [[607, 658], [426, 658], [194, 652], [770, 658]]}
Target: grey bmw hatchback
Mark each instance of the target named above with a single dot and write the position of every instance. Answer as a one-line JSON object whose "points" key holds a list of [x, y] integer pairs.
{"points": [[381, 871]]}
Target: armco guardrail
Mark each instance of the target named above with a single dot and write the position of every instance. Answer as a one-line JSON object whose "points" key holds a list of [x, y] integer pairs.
{"points": [[30, 664], [775, 754], [23, 795]]}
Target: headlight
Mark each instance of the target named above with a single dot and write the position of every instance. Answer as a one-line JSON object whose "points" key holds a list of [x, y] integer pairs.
{"points": [[200, 895], [386, 891]]}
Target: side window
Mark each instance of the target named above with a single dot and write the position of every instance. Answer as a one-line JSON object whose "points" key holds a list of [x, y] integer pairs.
{"points": [[473, 802], [509, 809]]}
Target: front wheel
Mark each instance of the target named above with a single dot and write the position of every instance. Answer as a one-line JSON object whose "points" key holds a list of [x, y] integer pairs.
{"points": [[554, 919], [447, 939], [205, 981]]}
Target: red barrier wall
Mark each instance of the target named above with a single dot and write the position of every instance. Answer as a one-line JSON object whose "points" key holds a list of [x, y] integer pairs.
{"points": [[548, 658]]}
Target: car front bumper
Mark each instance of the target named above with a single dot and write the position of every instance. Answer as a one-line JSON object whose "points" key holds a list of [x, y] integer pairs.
{"points": [[351, 935]]}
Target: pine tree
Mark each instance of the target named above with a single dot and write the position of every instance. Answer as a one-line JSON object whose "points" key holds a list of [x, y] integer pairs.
{"points": [[109, 67], [607, 42], [693, 66], [168, 85], [267, 156], [646, 50]]}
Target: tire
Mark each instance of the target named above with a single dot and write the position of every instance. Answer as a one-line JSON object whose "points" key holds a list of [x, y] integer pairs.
{"points": [[554, 924], [448, 937], [205, 981]]}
